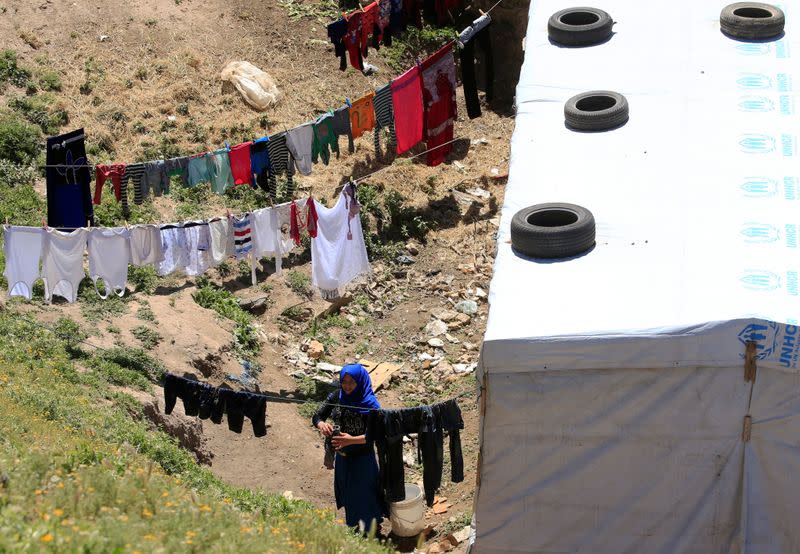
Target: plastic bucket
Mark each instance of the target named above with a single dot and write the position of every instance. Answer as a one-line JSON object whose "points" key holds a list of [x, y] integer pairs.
{"points": [[408, 516]]}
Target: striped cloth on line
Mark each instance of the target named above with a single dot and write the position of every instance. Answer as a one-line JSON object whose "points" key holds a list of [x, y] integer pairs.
{"points": [[242, 231], [135, 172], [384, 118], [281, 162]]}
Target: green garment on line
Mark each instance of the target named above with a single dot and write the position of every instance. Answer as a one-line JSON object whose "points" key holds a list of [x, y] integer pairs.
{"points": [[324, 139], [199, 171], [219, 167]]}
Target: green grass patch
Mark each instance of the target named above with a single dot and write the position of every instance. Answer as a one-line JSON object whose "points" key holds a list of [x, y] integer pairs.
{"points": [[299, 282], [82, 473], [145, 312], [223, 302], [49, 80], [20, 141], [11, 72], [41, 110], [94, 308], [150, 338], [416, 43], [144, 279]]}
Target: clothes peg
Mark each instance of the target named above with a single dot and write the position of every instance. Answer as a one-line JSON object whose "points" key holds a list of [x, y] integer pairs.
{"points": [[227, 146]]}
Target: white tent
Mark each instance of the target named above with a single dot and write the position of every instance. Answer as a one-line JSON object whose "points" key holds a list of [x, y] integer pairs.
{"points": [[614, 399]]}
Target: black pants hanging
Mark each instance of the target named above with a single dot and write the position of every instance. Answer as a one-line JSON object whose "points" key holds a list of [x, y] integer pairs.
{"points": [[467, 58]]}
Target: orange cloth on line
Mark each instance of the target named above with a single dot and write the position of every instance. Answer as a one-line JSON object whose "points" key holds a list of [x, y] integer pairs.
{"points": [[362, 115]]}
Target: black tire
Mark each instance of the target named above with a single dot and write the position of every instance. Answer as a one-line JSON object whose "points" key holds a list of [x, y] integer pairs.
{"points": [[751, 20], [579, 26], [596, 110], [554, 230]]}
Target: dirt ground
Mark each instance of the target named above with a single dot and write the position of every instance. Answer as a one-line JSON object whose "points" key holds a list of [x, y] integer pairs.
{"points": [[143, 60]]}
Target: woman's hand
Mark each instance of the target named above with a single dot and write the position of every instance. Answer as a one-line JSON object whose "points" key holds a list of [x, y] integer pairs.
{"points": [[342, 440], [325, 428]]}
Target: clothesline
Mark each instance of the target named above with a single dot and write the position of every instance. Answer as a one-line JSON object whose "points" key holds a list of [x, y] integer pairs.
{"points": [[93, 165], [274, 398]]}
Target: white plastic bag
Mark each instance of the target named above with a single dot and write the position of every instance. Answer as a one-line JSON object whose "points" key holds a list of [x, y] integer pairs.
{"points": [[257, 87]]}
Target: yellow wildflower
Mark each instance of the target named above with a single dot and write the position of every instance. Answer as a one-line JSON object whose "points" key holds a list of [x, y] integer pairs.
{"points": [[76, 528], [205, 508], [245, 529], [47, 538], [37, 492], [300, 546], [187, 541], [147, 513], [122, 517], [164, 494], [45, 516], [58, 512], [190, 534], [60, 485], [149, 537]]}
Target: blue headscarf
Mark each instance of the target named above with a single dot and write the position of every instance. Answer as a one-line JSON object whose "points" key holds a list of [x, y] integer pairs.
{"points": [[362, 399]]}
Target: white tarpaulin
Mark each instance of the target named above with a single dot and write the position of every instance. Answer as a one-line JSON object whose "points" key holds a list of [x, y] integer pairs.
{"points": [[615, 392]]}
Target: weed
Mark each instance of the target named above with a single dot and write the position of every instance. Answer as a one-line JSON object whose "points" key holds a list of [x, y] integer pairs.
{"points": [[144, 278], [11, 72], [245, 199], [141, 73], [150, 338], [192, 203], [70, 333], [325, 9], [138, 127], [195, 132], [40, 111], [415, 43], [114, 330], [151, 22], [361, 350], [94, 308], [110, 213], [225, 269], [15, 175], [50, 81], [182, 108], [127, 367], [145, 313], [225, 304], [299, 282], [19, 141], [167, 126]]}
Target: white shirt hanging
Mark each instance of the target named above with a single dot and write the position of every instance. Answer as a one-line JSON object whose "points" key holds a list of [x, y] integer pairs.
{"points": [[62, 266], [23, 249], [109, 256], [338, 253]]}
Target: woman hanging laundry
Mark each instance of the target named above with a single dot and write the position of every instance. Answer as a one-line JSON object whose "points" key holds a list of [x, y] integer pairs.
{"points": [[356, 482]]}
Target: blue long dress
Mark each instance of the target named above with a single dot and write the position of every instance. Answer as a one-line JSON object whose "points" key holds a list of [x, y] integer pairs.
{"points": [[356, 477]]}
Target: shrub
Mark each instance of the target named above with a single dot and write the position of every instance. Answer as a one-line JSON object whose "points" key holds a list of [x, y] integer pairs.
{"points": [[10, 72], [40, 111], [223, 302], [299, 282], [50, 80], [144, 279], [19, 141], [150, 338]]}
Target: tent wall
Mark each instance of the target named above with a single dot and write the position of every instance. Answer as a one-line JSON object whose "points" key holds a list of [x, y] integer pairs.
{"points": [[646, 460]]}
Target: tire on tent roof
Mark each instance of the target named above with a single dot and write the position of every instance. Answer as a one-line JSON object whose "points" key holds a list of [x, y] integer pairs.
{"points": [[751, 20], [579, 26], [596, 110], [553, 230]]}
